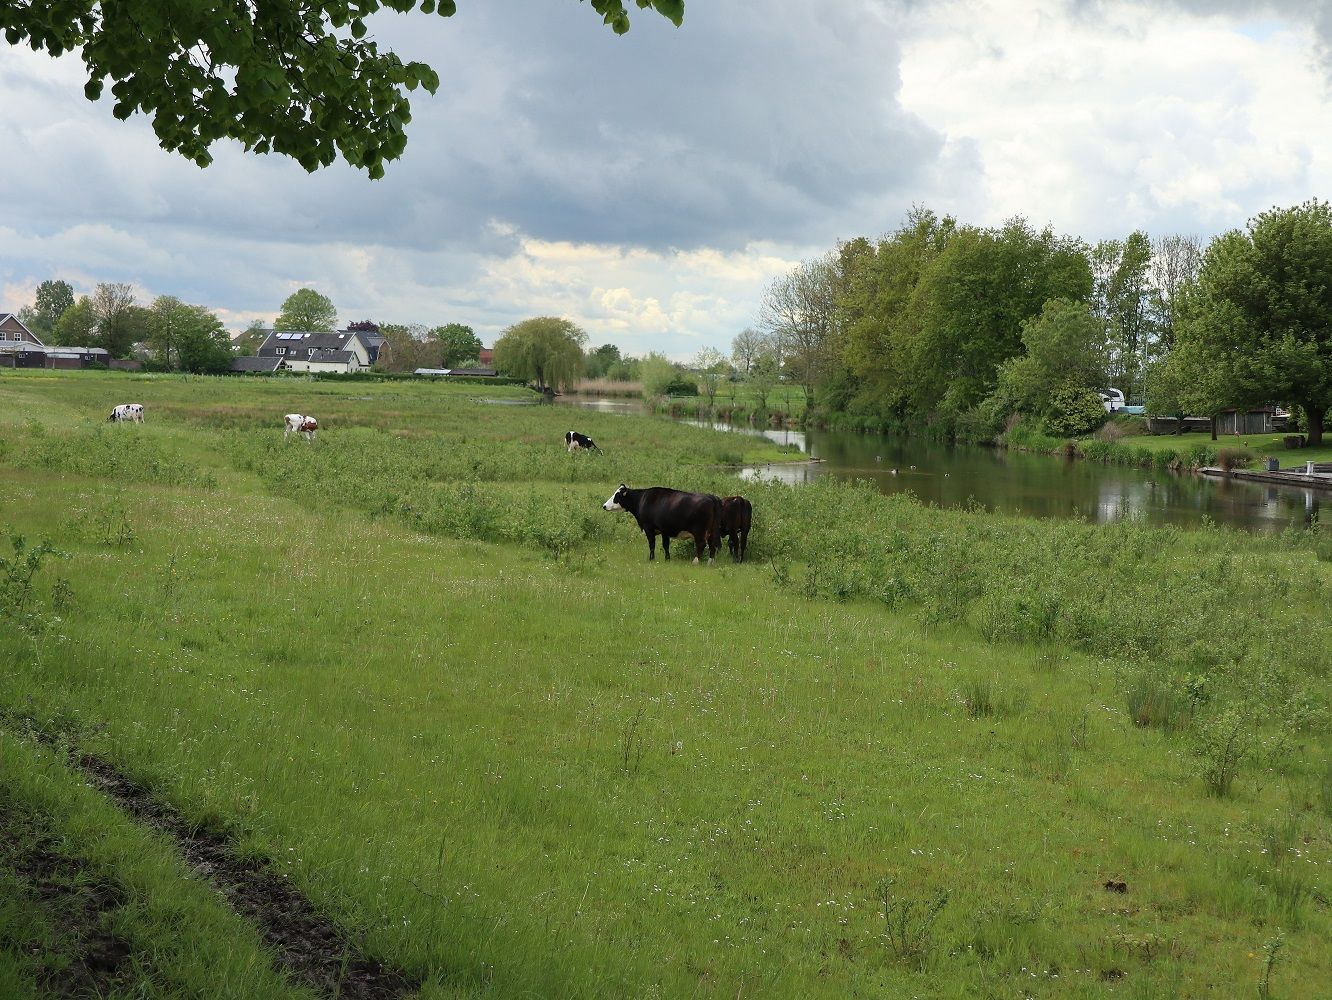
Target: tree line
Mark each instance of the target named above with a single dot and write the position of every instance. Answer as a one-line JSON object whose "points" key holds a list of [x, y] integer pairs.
{"points": [[960, 330]]}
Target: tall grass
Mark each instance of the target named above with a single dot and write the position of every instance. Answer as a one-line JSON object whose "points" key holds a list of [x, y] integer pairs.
{"points": [[512, 774]]}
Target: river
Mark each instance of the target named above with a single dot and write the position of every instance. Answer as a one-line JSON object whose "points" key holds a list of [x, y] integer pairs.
{"points": [[1014, 482]]}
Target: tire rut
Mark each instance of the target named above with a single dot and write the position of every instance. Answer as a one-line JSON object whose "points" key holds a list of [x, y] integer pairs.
{"points": [[311, 947]]}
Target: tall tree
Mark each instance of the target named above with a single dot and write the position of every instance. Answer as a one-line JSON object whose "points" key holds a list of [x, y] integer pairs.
{"points": [[1176, 261], [299, 79], [116, 331], [1122, 298], [1264, 299], [800, 309], [745, 348], [53, 298], [710, 364], [548, 350], [170, 315], [77, 326], [1065, 349], [457, 344], [965, 314], [202, 343], [308, 311]]}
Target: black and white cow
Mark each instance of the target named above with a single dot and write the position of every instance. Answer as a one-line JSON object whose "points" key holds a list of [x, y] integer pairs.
{"points": [[299, 423], [126, 411], [737, 515], [573, 441], [672, 514]]}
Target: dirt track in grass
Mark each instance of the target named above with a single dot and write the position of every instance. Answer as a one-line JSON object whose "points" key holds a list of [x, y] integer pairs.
{"points": [[308, 945]]}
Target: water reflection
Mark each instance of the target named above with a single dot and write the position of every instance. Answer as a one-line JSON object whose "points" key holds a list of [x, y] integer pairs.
{"points": [[1012, 482]]}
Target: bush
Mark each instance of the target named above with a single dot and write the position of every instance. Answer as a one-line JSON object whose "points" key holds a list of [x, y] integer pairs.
{"points": [[1111, 431], [1154, 701], [1073, 412], [1234, 458]]}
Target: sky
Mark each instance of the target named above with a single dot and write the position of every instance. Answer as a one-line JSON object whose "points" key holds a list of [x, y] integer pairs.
{"points": [[649, 186]]}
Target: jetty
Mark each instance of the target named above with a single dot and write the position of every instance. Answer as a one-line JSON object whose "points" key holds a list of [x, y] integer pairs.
{"points": [[1317, 475]]}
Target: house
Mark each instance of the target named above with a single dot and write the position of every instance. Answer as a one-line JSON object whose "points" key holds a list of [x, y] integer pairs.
{"points": [[298, 351], [21, 348]]}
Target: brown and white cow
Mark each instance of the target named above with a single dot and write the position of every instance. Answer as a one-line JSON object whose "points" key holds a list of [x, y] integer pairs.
{"points": [[672, 514], [126, 411], [299, 423]]}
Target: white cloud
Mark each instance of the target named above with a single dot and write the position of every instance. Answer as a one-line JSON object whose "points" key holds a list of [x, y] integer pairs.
{"points": [[1134, 117]]}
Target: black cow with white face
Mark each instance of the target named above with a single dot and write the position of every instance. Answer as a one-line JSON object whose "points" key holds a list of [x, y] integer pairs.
{"points": [[672, 514], [573, 441], [737, 515]]}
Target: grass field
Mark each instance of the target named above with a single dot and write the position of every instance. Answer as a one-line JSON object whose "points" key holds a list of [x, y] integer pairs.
{"points": [[415, 669]]}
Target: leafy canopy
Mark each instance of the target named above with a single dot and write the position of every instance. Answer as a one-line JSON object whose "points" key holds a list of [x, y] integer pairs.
{"points": [[293, 77], [548, 350], [307, 310]]}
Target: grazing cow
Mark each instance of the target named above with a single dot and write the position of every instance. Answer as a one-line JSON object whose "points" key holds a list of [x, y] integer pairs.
{"points": [[126, 411], [573, 441], [672, 514], [737, 514], [298, 423]]}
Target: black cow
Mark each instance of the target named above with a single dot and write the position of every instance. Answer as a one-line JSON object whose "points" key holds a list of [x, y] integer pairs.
{"points": [[672, 514], [573, 441], [737, 515]]}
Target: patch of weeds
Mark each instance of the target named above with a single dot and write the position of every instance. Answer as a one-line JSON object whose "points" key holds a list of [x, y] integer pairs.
{"points": [[18, 594], [978, 697], [108, 525], [1325, 789], [1224, 743], [1154, 701], [908, 924], [1279, 837], [1047, 661]]}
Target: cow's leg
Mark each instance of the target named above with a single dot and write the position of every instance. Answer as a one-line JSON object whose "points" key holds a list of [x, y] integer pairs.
{"points": [[666, 546], [744, 543], [652, 546]]}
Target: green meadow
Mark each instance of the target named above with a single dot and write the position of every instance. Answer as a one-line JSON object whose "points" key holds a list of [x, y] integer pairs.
{"points": [[414, 668]]}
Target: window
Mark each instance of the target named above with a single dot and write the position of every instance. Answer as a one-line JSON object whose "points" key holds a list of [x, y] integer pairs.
{"points": [[282, 350]]}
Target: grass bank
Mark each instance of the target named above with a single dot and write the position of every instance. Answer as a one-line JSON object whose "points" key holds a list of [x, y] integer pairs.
{"points": [[416, 669]]}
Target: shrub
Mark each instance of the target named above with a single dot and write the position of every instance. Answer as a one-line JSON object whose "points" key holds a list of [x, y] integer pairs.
{"points": [[1224, 744], [1111, 431], [1234, 458], [1073, 412]]}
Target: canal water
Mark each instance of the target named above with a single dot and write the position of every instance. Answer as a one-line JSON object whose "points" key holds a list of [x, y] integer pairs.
{"points": [[1014, 482]]}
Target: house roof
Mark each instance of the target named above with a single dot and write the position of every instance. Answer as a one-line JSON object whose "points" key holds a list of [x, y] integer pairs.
{"points": [[330, 357], [301, 342], [13, 320], [250, 364]]}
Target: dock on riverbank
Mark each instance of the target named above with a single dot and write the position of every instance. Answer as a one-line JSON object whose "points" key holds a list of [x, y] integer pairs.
{"points": [[1284, 477]]}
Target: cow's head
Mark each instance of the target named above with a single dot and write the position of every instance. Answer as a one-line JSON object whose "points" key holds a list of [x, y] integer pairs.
{"points": [[614, 502]]}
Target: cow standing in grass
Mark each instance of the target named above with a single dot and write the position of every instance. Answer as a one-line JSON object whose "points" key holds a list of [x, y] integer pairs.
{"points": [[126, 412], [737, 515], [299, 423], [672, 514], [573, 441]]}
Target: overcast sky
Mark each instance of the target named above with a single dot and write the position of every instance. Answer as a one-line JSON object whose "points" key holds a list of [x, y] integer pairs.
{"points": [[649, 186]]}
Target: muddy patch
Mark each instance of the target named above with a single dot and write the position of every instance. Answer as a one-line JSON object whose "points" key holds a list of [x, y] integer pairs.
{"points": [[308, 945], [66, 931]]}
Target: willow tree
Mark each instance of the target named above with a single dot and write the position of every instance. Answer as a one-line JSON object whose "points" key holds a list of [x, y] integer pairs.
{"points": [[547, 350]]}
